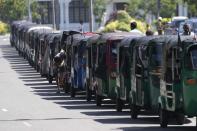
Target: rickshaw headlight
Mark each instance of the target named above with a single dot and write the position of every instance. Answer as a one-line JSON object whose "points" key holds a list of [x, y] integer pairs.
{"points": [[113, 74], [191, 81]]}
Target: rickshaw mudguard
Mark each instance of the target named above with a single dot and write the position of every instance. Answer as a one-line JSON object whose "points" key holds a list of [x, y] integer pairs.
{"points": [[190, 94]]}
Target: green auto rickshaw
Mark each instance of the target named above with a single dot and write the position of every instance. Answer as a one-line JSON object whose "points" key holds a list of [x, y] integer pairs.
{"points": [[123, 79], [145, 73], [178, 80], [106, 62]]}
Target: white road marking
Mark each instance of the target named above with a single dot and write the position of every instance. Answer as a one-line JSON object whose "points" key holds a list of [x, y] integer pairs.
{"points": [[5, 39], [4, 110], [27, 124]]}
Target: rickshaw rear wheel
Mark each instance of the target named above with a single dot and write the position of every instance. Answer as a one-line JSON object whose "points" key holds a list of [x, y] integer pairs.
{"points": [[180, 118], [50, 79], [196, 121], [66, 87], [72, 91], [88, 93], [119, 105], [134, 111], [98, 100], [163, 118]]}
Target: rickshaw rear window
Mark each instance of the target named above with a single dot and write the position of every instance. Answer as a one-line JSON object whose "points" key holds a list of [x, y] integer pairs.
{"points": [[156, 55]]}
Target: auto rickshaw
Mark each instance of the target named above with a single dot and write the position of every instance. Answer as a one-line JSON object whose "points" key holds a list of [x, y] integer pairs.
{"points": [[123, 79], [31, 42], [78, 62], [106, 63], [90, 66], [63, 78], [22, 37], [178, 80], [54, 44], [145, 73], [14, 28], [45, 56]]}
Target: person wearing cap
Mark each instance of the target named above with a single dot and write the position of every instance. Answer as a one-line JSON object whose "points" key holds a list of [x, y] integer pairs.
{"points": [[159, 26], [134, 29]]}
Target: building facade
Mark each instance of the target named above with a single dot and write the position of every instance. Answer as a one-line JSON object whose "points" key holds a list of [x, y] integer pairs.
{"points": [[72, 12], [69, 14]]}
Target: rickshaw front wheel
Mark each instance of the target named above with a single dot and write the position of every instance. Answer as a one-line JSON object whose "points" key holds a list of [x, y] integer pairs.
{"points": [[196, 121], [163, 118], [98, 100], [72, 91], [66, 87], [50, 79], [88, 93], [134, 111], [119, 105], [180, 118]]}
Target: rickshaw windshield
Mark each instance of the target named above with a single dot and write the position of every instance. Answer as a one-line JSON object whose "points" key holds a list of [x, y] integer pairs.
{"points": [[156, 55], [193, 57]]}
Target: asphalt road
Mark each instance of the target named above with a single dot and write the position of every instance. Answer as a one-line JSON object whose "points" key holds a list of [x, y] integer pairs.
{"points": [[29, 103]]}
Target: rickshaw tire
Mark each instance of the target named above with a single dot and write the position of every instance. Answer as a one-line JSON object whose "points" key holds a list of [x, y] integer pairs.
{"points": [[98, 100], [196, 121], [72, 91], [50, 79], [66, 88], [134, 111], [163, 118], [180, 119], [88, 94], [119, 105]]}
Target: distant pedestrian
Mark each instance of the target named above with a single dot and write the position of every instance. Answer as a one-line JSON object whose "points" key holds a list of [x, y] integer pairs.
{"points": [[81, 29], [159, 26], [134, 29], [149, 33], [186, 29]]}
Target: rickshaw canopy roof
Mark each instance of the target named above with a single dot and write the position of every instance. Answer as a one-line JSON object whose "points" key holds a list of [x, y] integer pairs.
{"points": [[115, 36], [78, 38], [93, 39]]}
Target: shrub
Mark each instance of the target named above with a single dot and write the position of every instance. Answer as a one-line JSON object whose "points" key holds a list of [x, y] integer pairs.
{"points": [[111, 27], [3, 28], [123, 26]]}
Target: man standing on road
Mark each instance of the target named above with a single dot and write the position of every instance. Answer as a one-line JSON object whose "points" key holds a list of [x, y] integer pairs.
{"points": [[159, 26], [134, 29]]}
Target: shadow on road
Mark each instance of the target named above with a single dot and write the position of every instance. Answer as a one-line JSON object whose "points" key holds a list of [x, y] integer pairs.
{"points": [[171, 128], [105, 114]]}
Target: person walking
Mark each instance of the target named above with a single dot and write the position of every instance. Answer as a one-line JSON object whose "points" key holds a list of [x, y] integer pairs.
{"points": [[160, 26]]}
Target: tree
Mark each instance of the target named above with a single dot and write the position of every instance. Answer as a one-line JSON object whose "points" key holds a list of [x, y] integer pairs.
{"points": [[140, 8], [99, 8], [12, 10], [192, 7], [120, 21]]}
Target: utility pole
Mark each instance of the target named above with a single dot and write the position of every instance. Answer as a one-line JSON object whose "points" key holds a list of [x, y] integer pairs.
{"points": [[158, 8], [29, 11], [54, 23], [91, 16]]}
